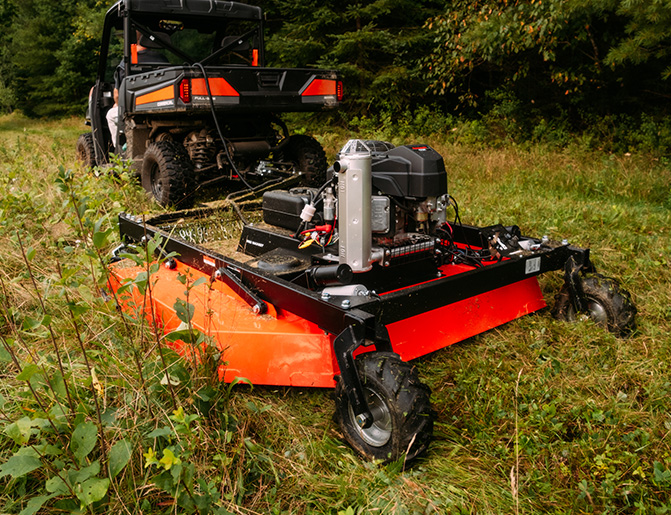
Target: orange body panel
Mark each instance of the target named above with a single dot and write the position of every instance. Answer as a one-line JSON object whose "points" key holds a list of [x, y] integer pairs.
{"points": [[219, 88], [281, 348], [167, 93]]}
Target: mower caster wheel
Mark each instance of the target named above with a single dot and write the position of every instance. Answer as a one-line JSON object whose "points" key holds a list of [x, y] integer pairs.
{"points": [[167, 173], [607, 304], [399, 402], [86, 153]]}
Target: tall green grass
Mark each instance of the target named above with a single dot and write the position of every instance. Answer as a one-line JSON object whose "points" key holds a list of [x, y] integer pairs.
{"points": [[537, 416]]}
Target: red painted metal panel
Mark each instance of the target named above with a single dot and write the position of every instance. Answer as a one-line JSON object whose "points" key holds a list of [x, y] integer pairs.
{"points": [[320, 87], [280, 348], [274, 349], [436, 329], [218, 86]]}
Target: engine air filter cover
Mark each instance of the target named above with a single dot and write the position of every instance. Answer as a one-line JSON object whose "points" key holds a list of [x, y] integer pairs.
{"points": [[411, 171]]}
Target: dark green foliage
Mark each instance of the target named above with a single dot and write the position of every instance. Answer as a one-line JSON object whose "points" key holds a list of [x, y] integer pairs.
{"points": [[375, 45], [554, 56], [648, 35], [7, 97], [51, 57], [519, 70]]}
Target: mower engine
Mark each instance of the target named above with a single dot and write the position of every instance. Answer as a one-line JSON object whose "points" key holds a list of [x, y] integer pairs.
{"points": [[381, 205]]}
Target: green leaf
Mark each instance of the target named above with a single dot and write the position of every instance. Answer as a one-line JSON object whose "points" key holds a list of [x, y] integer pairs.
{"points": [[5, 356], [84, 439], [119, 456], [662, 474], [206, 393], [18, 466], [34, 504], [141, 282], [192, 337], [58, 385], [161, 431], [199, 281], [28, 372], [92, 490], [57, 486], [30, 324], [20, 430], [100, 238], [169, 459], [83, 474], [184, 310], [238, 380], [77, 308]]}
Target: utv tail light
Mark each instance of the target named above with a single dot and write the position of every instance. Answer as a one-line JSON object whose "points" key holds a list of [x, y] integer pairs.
{"points": [[255, 57], [339, 91], [320, 87], [185, 90]]}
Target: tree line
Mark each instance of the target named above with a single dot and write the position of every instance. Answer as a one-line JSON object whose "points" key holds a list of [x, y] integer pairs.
{"points": [[542, 58]]}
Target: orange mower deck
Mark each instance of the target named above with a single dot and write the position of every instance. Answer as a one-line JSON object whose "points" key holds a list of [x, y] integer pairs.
{"points": [[283, 348]]}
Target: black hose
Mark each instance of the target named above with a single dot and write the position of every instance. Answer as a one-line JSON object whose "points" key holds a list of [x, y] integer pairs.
{"points": [[225, 142], [216, 123]]}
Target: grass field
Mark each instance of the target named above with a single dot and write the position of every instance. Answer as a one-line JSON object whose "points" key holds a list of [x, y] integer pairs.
{"points": [[537, 416]]}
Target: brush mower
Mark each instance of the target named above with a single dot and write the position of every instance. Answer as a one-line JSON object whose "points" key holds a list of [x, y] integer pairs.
{"points": [[342, 286]]}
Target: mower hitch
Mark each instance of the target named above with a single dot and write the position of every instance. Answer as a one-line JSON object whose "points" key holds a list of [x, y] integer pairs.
{"points": [[258, 306]]}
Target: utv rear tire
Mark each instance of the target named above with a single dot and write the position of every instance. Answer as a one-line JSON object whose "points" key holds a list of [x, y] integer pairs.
{"points": [[402, 414], [608, 305], [309, 158], [86, 152], [167, 173]]}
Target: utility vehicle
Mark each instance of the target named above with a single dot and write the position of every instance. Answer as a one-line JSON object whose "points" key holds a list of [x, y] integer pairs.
{"points": [[201, 106], [342, 286]]}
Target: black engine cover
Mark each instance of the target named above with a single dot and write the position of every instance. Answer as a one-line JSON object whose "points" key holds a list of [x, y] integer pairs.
{"points": [[411, 171]]}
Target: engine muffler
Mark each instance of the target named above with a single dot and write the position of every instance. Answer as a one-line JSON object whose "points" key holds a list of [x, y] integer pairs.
{"points": [[355, 185]]}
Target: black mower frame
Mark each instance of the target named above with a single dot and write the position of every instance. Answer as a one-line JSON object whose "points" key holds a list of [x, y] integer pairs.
{"points": [[363, 321]]}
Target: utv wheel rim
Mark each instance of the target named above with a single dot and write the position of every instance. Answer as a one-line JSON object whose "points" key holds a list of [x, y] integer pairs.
{"points": [[597, 312], [156, 186], [379, 432]]}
